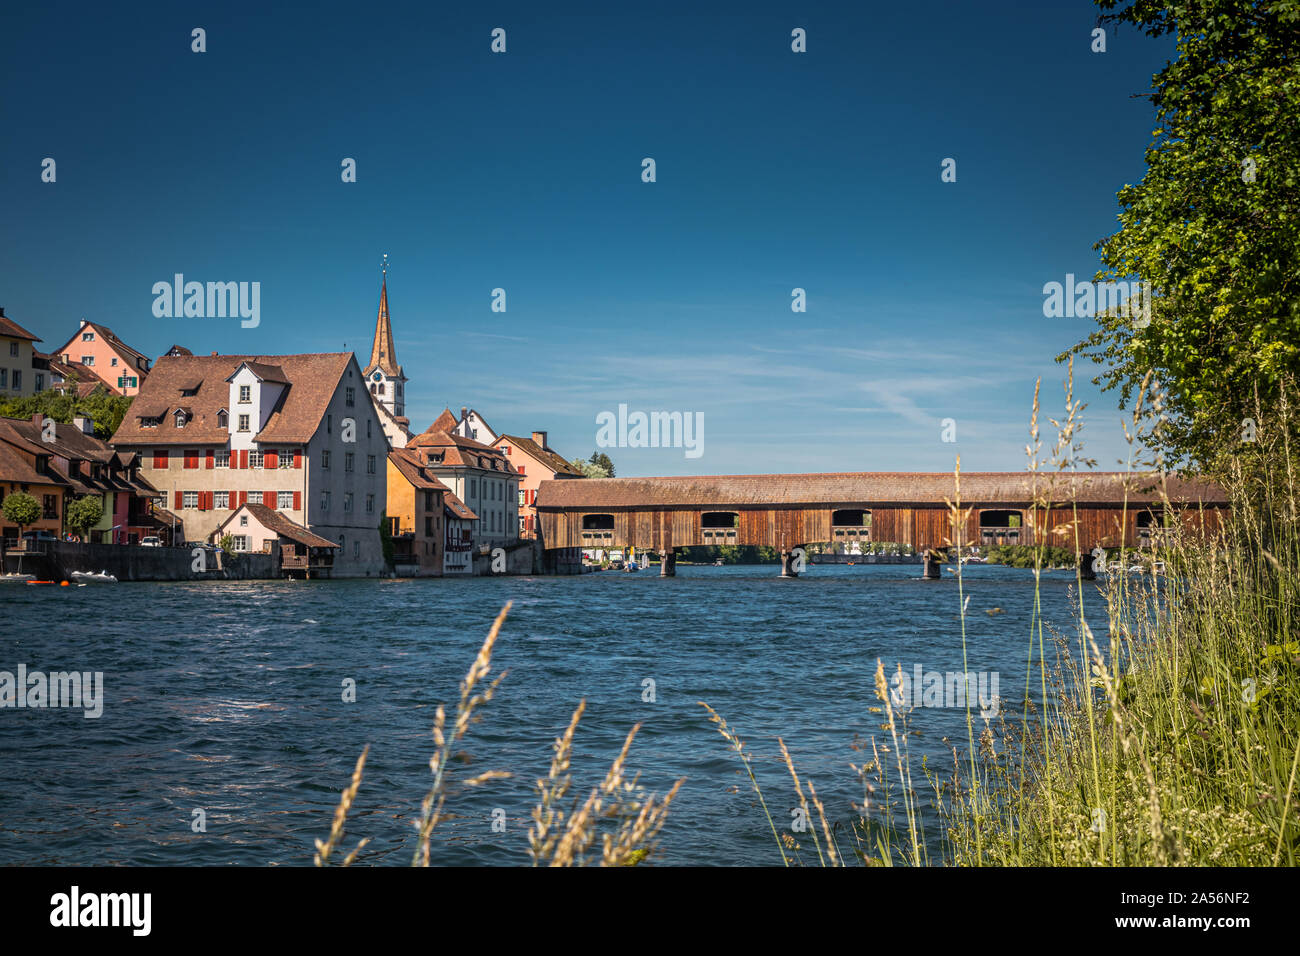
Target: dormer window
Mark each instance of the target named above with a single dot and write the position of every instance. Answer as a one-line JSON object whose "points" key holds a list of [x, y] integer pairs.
{"points": [[245, 394], [188, 392], [150, 421], [181, 418], [223, 419]]}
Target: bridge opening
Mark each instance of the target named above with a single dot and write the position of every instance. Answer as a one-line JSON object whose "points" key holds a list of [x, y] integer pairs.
{"points": [[597, 529], [850, 524], [719, 527], [1149, 522], [1000, 527]]}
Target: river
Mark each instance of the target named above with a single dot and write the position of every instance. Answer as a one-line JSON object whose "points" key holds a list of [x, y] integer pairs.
{"points": [[228, 698]]}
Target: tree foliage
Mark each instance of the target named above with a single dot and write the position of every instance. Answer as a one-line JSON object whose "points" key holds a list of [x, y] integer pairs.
{"points": [[84, 513], [21, 508], [105, 407], [1214, 225]]}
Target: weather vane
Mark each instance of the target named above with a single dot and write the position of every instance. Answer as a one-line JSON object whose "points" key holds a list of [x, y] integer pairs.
{"points": [[385, 266]]}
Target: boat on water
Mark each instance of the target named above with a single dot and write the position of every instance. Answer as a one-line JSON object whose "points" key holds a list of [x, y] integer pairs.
{"points": [[102, 576], [17, 578]]}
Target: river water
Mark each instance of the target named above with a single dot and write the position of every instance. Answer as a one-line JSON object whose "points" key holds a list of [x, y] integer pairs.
{"points": [[227, 698]]}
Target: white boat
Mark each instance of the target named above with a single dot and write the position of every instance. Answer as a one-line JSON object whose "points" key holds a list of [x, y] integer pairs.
{"points": [[17, 578], [103, 576]]}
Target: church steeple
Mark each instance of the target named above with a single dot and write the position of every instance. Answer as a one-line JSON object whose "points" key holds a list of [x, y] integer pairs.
{"points": [[383, 375]]}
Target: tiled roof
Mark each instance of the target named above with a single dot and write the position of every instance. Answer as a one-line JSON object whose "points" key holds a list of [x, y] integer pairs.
{"points": [[862, 488], [447, 449], [273, 520], [411, 466], [266, 371], [383, 353], [10, 328], [457, 508], [313, 379], [112, 338], [545, 456]]}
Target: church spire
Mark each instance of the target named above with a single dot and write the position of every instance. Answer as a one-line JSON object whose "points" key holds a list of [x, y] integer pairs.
{"points": [[383, 354]]}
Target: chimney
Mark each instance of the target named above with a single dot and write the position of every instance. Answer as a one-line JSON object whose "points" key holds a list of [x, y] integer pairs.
{"points": [[2, 311], [464, 411], [540, 439], [82, 325], [38, 419], [85, 423]]}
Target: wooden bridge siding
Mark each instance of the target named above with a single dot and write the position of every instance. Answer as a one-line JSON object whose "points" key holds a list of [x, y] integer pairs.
{"points": [[924, 527]]}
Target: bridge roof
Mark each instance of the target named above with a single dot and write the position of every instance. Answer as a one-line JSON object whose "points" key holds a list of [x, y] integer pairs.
{"points": [[864, 488]]}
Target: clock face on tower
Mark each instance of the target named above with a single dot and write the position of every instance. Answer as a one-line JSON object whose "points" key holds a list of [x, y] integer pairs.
{"points": [[378, 376]]}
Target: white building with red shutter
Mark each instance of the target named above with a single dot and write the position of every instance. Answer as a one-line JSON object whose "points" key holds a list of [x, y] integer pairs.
{"points": [[297, 434]]}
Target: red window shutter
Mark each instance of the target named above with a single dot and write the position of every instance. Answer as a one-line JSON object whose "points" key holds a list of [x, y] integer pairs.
{"points": [[234, 500], [268, 498], [521, 469], [243, 458], [243, 497], [160, 457], [297, 501], [203, 501], [297, 458], [271, 460], [178, 500], [211, 459]]}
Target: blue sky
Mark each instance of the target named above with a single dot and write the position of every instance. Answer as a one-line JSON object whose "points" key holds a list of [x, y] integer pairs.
{"points": [[522, 171]]}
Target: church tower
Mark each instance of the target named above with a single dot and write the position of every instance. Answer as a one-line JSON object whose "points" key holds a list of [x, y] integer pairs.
{"points": [[383, 375]]}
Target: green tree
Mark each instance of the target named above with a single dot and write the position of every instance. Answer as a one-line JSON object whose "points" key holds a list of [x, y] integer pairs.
{"points": [[590, 469], [601, 460], [386, 539], [22, 509], [1214, 225], [106, 408], [83, 514], [227, 544]]}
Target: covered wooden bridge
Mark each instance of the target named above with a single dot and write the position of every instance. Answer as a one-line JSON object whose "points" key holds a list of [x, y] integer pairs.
{"points": [[1112, 509]]}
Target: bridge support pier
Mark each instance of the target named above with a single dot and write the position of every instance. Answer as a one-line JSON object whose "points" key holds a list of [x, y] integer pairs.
{"points": [[788, 567], [668, 563], [931, 565], [1086, 570]]}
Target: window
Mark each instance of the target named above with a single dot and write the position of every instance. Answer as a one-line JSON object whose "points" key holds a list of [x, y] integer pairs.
{"points": [[223, 419], [522, 501], [189, 499], [356, 549], [347, 502], [370, 504], [243, 521], [329, 424], [254, 459], [428, 501], [40, 382], [13, 349], [370, 464], [87, 336], [51, 504], [191, 458], [285, 458], [4, 377], [160, 458], [245, 394], [255, 497], [18, 379], [221, 499], [368, 423], [243, 423], [113, 363], [324, 501], [88, 360], [325, 459], [129, 381], [221, 459], [473, 488], [284, 500], [348, 459], [349, 396], [428, 526], [241, 542], [181, 418]]}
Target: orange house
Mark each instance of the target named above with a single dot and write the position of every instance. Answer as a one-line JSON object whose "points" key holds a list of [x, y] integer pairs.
{"points": [[96, 346]]}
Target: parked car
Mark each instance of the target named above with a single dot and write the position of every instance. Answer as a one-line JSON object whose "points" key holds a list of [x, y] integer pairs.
{"points": [[150, 542], [39, 536]]}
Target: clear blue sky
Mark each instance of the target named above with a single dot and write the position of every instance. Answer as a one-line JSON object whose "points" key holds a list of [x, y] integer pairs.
{"points": [[523, 171]]}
